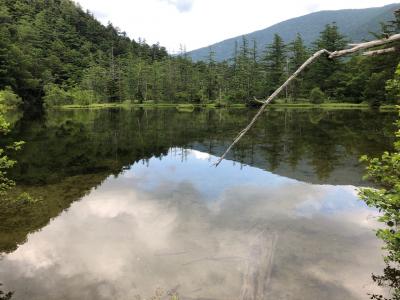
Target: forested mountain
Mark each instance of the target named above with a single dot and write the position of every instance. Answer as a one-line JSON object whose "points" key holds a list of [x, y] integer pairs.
{"points": [[55, 41], [356, 24], [54, 53]]}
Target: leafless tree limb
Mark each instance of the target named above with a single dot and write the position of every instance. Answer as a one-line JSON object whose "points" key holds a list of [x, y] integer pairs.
{"points": [[381, 51], [316, 55], [367, 45], [276, 93]]}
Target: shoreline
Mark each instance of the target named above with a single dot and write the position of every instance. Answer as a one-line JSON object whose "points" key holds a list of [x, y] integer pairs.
{"points": [[187, 106]]}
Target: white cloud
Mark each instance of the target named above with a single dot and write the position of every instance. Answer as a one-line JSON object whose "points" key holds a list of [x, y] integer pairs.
{"points": [[313, 7], [181, 5], [200, 23]]}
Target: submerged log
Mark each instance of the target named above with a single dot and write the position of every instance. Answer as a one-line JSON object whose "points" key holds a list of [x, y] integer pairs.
{"points": [[315, 56]]}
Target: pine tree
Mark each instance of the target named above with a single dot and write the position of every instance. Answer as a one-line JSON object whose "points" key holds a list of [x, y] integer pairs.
{"points": [[254, 71], [298, 55], [324, 73], [211, 75], [275, 62]]}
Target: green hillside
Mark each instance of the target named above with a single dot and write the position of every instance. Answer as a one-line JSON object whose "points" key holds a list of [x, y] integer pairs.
{"points": [[356, 24], [52, 52], [55, 41]]}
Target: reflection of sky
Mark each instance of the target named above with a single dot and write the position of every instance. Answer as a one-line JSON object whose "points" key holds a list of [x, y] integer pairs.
{"points": [[211, 182], [197, 168], [205, 232]]}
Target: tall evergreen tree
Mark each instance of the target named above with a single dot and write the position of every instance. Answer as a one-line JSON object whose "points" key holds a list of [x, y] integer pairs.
{"points": [[324, 73], [298, 55], [254, 71], [275, 63]]}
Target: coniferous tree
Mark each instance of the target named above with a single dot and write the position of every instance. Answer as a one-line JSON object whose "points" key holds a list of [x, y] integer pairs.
{"points": [[55, 47], [244, 70], [275, 63], [254, 71], [298, 55], [325, 72], [212, 83]]}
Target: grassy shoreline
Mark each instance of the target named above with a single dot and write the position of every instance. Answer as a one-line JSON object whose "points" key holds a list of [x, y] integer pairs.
{"points": [[331, 105]]}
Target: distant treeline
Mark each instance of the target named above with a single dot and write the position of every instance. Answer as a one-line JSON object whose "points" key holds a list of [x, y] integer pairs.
{"points": [[52, 50]]}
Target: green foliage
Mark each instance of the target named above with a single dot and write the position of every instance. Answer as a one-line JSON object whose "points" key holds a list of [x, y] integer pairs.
{"points": [[9, 99], [5, 162], [393, 87], [275, 63], [326, 73], [299, 55], [385, 172], [44, 42], [81, 97], [373, 89], [55, 95], [317, 96], [54, 48]]}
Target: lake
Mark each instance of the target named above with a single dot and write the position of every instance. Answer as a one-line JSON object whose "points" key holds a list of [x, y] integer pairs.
{"points": [[129, 206]]}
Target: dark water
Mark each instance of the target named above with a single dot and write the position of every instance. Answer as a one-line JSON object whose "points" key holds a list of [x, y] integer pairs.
{"points": [[129, 207]]}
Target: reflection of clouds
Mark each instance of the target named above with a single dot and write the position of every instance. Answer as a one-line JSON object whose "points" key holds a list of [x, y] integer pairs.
{"points": [[126, 239], [200, 155]]}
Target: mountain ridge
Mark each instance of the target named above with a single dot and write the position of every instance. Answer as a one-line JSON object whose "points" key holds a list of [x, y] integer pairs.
{"points": [[354, 23]]}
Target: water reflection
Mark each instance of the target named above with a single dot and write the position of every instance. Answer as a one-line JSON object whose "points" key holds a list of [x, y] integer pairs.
{"points": [[293, 143], [130, 207], [178, 225]]}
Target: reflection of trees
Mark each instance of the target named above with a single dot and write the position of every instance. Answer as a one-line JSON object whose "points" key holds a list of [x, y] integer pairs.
{"points": [[389, 279], [5, 295], [326, 143], [19, 217], [70, 152]]}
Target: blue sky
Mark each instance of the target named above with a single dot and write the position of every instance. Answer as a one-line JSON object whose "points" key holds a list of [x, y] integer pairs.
{"points": [[199, 23]]}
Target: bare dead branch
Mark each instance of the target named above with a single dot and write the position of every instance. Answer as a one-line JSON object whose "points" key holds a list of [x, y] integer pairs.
{"points": [[270, 98], [367, 45], [381, 51], [258, 101], [316, 55], [353, 45]]}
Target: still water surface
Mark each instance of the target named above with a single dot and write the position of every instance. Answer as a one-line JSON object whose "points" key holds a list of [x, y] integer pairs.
{"points": [[131, 208]]}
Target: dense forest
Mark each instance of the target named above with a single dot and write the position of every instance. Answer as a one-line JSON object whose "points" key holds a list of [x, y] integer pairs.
{"points": [[52, 51], [45, 42]]}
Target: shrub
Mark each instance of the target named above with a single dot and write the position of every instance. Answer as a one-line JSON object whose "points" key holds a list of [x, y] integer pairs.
{"points": [[55, 95], [5, 162], [9, 99], [317, 96], [393, 88], [182, 97], [81, 97]]}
